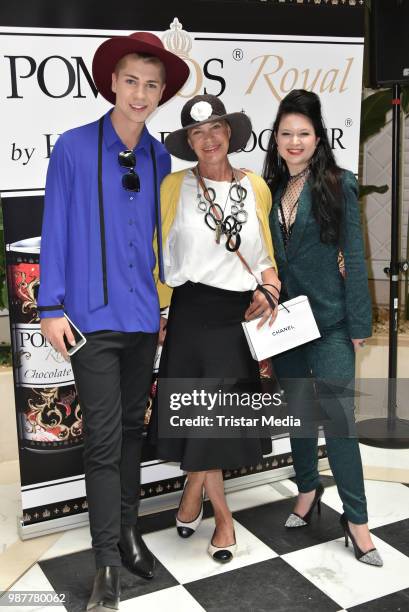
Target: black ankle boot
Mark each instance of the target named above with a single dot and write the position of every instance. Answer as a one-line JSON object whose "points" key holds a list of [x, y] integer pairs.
{"points": [[106, 590], [136, 556]]}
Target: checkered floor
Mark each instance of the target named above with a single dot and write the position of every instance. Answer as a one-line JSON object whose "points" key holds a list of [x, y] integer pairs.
{"points": [[274, 568]]}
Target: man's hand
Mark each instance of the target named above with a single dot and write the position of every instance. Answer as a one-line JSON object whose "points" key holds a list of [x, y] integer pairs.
{"points": [[162, 330], [54, 329]]}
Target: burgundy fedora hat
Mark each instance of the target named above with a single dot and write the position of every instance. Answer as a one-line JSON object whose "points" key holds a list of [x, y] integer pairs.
{"points": [[112, 50]]}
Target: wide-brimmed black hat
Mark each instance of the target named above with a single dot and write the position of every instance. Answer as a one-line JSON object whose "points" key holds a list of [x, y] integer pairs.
{"points": [[205, 109], [112, 50]]}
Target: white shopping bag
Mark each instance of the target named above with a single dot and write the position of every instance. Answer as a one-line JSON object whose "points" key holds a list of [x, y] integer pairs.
{"points": [[295, 324]]}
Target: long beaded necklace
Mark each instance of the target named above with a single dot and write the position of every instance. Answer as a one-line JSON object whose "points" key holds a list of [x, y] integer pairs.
{"points": [[214, 214]]}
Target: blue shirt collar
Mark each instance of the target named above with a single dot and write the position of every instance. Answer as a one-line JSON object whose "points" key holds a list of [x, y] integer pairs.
{"points": [[111, 137]]}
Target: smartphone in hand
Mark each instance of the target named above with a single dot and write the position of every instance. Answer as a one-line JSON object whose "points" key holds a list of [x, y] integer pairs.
{"points": [[79, 338]]}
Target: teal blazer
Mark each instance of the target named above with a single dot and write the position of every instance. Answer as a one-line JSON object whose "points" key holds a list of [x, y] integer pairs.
{"points": [[309, 267]]}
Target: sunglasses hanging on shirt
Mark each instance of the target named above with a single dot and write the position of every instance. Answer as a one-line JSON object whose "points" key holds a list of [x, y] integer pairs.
{"points": [[130, 180]]}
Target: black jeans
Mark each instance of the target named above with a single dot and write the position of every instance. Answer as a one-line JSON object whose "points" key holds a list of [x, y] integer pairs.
{"points": [[113, 372]]}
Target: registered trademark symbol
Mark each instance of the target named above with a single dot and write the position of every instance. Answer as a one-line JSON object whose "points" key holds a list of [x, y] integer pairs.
{"points": [[348, 122], [238, 54]]}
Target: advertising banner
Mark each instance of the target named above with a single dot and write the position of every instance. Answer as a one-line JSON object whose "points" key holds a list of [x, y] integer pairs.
{"points": [[50, 71]]}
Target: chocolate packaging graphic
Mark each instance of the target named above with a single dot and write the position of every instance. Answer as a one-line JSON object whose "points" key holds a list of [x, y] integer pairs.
{"points": [[49, 418], [23, 271], [48, 410]]}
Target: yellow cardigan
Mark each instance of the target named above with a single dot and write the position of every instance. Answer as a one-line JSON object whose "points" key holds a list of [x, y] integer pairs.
{"points": [[169, 196]]}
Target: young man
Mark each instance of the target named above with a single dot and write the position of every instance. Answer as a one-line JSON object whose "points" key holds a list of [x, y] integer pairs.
{"points": [[97, 261]]}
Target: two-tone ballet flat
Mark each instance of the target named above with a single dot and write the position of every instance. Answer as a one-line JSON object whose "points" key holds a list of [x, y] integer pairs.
{"points": [[222, 554], [184, 529]]}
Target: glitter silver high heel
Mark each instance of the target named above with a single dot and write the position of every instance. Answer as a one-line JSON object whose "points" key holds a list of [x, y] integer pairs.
{"points": [[370, 557], [295, 520]]}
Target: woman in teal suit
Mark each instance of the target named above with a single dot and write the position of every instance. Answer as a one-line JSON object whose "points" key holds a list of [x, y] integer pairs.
{"points": [[315, 225]]}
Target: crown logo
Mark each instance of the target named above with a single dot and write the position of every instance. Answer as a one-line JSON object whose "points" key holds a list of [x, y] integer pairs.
{"points": [[177, 40]]}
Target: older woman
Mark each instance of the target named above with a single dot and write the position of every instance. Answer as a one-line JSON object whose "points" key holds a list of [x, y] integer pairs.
{"points": [[219, 261]]}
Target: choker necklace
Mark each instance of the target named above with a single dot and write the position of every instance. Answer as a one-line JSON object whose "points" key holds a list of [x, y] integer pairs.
{"points": [[214, 214], [303, 173]]}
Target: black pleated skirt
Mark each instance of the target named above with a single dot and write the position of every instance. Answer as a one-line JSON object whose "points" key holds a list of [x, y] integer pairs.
{"points": [[205, 339]]}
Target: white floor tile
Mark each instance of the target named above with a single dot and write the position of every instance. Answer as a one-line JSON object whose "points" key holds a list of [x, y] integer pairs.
{"points": [[284, 488], [333, 568], [10, 508], [387, 502], [385, 457], [288, 486], [48, 608], [34, 580], [175, 599], [254, 496], [188, 559], [71, 541]]}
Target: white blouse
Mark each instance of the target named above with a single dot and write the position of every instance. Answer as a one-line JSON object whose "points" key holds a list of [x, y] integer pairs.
{"points": [[191, 252]]}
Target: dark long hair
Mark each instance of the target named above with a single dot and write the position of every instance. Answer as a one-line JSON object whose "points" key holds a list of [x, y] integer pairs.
{"points": [[325, 175]]}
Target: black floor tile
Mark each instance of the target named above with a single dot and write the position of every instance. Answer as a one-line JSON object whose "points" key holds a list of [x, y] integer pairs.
{"points": [[271, 585], [267, 523], [157, 521], [395, 534], [74, 574], [396, 602]]}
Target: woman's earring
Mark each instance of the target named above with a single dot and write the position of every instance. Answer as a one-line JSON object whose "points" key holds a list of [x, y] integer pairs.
{"points": [[279, 161]]}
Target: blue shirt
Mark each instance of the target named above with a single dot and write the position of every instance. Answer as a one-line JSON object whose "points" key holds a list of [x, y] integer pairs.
{"points": [[71, 270]]}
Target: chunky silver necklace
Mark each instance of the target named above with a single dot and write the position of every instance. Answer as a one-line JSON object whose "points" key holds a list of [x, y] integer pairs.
{"points": [[214, 214]]}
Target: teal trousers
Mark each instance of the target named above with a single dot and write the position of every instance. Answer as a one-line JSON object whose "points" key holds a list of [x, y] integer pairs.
{"points": [[321, 374]]}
